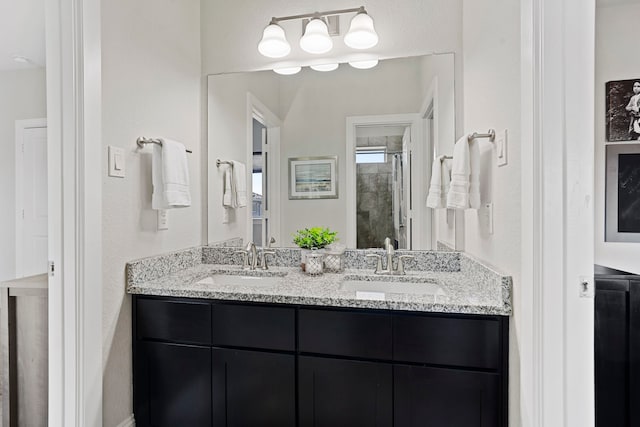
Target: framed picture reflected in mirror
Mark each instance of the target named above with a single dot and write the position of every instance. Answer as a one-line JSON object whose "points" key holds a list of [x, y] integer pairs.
{"points": [[313, 177]]}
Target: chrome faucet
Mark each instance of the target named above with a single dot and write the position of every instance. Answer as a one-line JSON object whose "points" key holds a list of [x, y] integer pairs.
{"points": [[250, 256], [390, 253]]}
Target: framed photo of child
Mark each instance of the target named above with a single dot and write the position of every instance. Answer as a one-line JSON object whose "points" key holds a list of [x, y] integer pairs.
{"points": [[623, 110]]}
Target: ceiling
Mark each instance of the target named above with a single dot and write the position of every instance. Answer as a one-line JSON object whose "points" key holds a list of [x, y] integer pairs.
{"points": [[22, 33]]}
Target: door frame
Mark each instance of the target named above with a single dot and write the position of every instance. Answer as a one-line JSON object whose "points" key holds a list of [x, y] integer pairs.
{"points": [[417, 230], [74, 162], [20, 127], [256, 108], [555, 324]]}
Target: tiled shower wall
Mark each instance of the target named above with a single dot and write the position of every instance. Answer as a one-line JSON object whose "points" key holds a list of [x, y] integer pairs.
{"points": [[374, 199]]}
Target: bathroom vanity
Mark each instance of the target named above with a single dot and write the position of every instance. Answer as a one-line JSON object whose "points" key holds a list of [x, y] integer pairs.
{"points": [[296, 350]]}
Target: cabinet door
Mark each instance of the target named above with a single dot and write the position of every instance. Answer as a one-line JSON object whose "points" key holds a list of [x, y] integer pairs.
{"points": [[433, 397], [252, 388], [634, 352], [172, 385], [611, 335], [344, 393]]}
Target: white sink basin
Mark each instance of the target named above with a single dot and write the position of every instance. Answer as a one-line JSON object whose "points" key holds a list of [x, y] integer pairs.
{"points": [[391, 287], [239, 280]]}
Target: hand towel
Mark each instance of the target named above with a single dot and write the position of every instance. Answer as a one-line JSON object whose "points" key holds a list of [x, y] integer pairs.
{"points": [[474, 174], [170, 176], [439, 186], [239, 183], [228, 192], [458, 195]]}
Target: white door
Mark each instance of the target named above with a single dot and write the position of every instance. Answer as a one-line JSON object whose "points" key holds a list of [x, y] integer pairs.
{"points": [[31, 197]]}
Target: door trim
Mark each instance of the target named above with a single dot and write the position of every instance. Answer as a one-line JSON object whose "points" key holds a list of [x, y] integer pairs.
{"points": [[74, 109], [20, 127], [255, 107]]}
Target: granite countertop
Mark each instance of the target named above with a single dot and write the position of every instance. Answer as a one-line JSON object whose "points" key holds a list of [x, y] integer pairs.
{"points": [[469, 292]]}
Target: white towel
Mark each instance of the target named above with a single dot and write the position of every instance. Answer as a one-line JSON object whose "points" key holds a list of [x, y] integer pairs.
{"points": [[228, 194], [440, 181], [239, 183], [474, 174], [458, 196], [170, 176]]}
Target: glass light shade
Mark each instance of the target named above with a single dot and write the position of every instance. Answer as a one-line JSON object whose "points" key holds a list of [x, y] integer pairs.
{"points": [[287, 71], [274, 44], [316, 37], [364, 65], [324, 67], [361, 34]]}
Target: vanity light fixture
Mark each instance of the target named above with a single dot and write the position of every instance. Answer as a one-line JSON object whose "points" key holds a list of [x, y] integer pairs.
{"points": [[364, 65], [287, 71], [274, 44], [316, 38], [325, 67]]}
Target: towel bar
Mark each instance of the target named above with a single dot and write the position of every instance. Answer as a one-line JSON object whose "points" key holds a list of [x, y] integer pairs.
{"points": [[223, 162], [142, 141], [491, 135]]}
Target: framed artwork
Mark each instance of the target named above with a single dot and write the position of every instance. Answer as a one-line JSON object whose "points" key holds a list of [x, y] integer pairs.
{"points": [[623, 110], [622, 212], [313, 177]]}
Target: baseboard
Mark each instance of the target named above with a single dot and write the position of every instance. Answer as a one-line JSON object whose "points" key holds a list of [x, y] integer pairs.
{"points": [[129, 422]]}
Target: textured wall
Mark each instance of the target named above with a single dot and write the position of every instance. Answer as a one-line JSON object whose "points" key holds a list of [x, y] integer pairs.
{"points": [[151, 86], [615, 38]]}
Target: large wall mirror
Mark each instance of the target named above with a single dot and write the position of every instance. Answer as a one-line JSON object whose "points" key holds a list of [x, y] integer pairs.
{"points": [[349, 149]]}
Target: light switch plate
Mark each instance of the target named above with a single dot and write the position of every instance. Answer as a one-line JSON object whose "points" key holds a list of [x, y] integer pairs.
{"points": [[163, 219], [501, 148], [586, 287], [116, 162]]}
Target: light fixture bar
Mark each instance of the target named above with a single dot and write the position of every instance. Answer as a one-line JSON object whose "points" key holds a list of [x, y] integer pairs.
{"points": [[360, 9]]}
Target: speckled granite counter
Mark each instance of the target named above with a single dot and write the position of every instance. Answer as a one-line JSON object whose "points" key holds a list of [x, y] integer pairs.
{"points": [[473, 289]]}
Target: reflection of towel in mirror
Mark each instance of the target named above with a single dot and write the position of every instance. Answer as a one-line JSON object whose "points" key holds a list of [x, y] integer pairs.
{"points": [[458, 196], [240, 183], [440, 181], [170, 176]]}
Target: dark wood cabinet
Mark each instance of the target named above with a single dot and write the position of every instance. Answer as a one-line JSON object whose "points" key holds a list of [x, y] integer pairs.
{"points": [[445, 397], [253, 388], [335, 392], [216, 363], [617, 348], [173, 385]]}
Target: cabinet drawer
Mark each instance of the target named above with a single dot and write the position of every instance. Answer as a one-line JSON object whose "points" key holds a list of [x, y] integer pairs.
{"points": [[176, 321], [345, 333], [254, 326], [447, 341]]}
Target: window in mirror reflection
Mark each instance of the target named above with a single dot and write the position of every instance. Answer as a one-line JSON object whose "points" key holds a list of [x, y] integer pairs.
{"points": [[371, 154]]}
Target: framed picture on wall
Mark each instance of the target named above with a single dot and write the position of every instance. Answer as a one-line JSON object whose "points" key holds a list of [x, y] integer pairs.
{"points": [[313, 177], [622, 213], [623, 110]]}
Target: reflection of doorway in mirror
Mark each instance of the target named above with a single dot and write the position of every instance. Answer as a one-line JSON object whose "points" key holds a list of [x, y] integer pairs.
{"points": [[381, 185], [258, 183]]}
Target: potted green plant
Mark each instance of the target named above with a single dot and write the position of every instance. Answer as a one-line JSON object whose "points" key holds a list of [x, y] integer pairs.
{"points": [[313, 238]]}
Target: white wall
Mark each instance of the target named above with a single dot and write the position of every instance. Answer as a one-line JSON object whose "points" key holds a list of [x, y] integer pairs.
{"points": [[491, 56], [151, 75], [23, 97], [616, 59], [227, 136], [231, 30]]}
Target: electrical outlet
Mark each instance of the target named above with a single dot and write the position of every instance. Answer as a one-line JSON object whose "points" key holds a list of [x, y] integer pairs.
{"points": [[163, 219], [586, 287], [487, 216]]}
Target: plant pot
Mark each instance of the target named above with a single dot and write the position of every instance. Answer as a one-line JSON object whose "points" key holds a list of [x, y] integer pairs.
{"points": [[303, 256]]}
